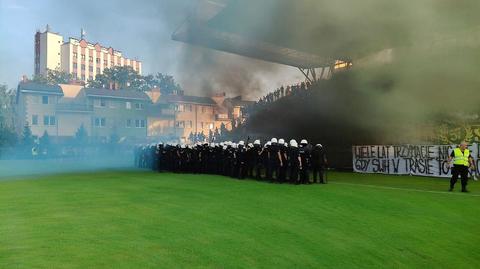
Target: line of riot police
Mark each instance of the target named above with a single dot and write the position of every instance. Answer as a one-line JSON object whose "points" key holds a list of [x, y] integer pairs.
{"points": [[276, 161]]}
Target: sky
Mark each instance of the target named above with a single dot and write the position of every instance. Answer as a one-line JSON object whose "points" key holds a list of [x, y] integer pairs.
{"points": [[140, 29]]}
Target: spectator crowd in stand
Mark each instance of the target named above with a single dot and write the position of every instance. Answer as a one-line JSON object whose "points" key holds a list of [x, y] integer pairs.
{"points": [[277, 95]]}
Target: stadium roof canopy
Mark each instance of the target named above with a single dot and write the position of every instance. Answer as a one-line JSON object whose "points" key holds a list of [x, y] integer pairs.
{"points": [[315, 33]]}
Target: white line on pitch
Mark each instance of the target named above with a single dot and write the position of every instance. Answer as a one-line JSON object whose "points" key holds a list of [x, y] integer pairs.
{"points": [[404, 189]]}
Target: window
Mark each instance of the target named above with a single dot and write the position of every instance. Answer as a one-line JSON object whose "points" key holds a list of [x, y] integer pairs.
{"points": [[90, 69], [103, 103], [128, 105], [34, 119], [45, 100], [49, 120], [98, 70], [142, 123], [180, 124], [138, 106], [83, 67], [75, 65], [137, 123], [180, 108], [83, 57], [90, 59], [129, 123], [83, 77], [105, 62], [97, 60], [100, 122], [75, 55], [75, 75]]}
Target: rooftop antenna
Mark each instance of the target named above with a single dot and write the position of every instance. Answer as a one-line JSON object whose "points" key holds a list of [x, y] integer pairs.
{"points": [[82, 33]]}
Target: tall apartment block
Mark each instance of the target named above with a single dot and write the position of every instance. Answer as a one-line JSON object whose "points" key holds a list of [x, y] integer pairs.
{"points": [[78, 57]]}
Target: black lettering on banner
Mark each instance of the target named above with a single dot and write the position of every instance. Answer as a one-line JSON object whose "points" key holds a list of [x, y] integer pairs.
{"points": [[477, 168], [386, 166], [421, 167], [362, 165], [430, 167], [444, 152], [396, 151], [430, 152], [411, 165], [375, 165], [428, 160], [373, 152], [395, 164], [443, 167]]}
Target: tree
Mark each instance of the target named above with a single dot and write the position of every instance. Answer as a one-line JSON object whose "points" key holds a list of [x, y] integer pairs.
{"points": [[58, 77], [167, 84], [118, 77], [125, 77], [6, 107], [53, 77], [81, 135], [8, 137], [27, 137], [44, 143]]}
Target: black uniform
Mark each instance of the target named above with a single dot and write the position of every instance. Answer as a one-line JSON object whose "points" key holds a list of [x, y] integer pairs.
{"points": [[319, 160], [305, 164]]}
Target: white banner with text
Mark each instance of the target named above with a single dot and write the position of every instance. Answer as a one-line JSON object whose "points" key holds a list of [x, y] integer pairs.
{"points": [[420, 160]]}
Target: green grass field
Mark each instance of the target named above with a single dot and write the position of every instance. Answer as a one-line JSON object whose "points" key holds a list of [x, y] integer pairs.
{"points": [[142, 219]]}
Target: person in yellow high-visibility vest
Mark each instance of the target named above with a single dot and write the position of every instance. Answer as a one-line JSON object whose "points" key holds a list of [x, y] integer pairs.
{"points": [[462, 161]]}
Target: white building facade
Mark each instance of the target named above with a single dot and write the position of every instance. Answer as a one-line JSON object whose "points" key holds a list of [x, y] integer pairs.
{"points": [[78, 57]]}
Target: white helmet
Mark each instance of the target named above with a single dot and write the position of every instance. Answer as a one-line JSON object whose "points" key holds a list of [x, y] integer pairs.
{"points": [[212, 145], [250, 145], [319, 145], [303, 142], [293, 144], [256, 142], [274, 140], [241, 143], [182, 146], [281, 141], [224, 147], [293, 141], [234, 145], [286, 144], [269, 143], [221, 144]]}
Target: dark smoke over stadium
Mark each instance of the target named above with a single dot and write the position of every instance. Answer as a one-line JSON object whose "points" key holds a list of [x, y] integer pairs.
{"points": [[239, 134]]}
